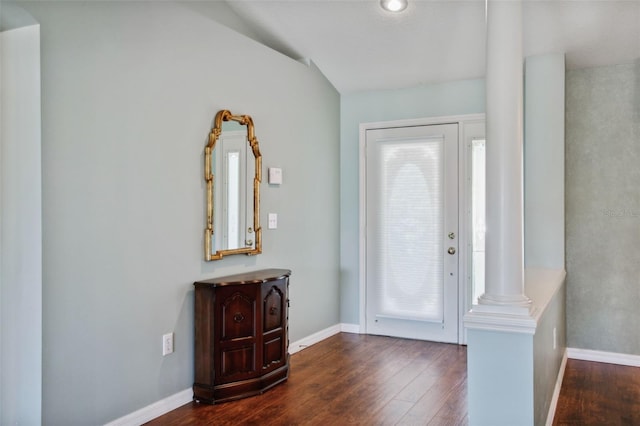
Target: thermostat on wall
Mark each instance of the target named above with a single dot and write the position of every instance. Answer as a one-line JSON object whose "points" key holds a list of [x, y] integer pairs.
{"points": [[275, 176]]}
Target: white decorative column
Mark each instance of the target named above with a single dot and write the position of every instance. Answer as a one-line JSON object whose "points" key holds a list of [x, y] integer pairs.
{"points": [[504, 280], [513, 352]]}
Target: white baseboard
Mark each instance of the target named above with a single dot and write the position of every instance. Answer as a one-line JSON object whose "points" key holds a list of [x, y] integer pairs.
{"points": [[350, 328], [600, 356], [174, 401], [154, 410], [305, 342], [556, 391]]}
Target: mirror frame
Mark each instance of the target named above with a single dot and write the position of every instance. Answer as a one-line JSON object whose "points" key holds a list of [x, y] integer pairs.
{"points": [[245, 120]]}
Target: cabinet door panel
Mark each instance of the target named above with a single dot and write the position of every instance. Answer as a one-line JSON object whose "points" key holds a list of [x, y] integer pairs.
{"points": [[238, 316], [238, 360], [272, 352], [273, 308]]}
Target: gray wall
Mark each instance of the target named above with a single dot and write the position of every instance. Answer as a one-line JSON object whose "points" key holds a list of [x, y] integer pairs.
{"points": [[544, 133], [546, 358], [544, 216], [454, 98], [21, 233], [603, 208], [130, 90], [500, 378]]}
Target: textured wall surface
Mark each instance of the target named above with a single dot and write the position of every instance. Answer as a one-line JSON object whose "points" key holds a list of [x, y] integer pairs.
{"points": [[603, 208]]}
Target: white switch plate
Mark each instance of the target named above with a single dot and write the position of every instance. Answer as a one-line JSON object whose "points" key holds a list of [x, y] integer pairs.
{"points": [[167, 344], [273, 221], [275, 176]]}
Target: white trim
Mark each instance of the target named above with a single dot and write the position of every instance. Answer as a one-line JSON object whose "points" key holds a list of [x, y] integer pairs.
{"points": [[362, 228], [461, 120], [556, 391], [600, 356], [469, 130], [154, 410], [350, 328], [305, 342], [449, 119], [477, 319]]}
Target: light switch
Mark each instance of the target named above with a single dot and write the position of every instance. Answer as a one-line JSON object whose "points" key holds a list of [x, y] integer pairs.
{"points": [[273, 220], [275, 176]]}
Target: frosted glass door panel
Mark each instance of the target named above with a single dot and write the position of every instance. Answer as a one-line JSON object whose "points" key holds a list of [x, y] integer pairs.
{"points": [[478, 216], [411, 207]]}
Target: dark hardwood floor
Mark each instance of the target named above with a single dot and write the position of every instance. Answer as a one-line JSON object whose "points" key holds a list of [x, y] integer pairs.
{"points": [[352, 379], [595, 393], [374, 380]]}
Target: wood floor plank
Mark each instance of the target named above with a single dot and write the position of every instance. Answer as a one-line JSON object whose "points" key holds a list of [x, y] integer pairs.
{"points": [[454, 410], [434, 399], [371, 382], [429, 376], [389, 414]]}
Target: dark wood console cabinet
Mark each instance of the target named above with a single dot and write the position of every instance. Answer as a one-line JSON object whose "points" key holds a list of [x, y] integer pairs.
{"points": [[241, 335]]}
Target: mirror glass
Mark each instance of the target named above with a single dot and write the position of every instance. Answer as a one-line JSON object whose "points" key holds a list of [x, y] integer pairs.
{"points": [[232, 175]]}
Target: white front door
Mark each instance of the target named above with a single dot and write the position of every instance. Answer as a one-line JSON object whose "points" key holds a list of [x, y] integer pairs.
{"points": [[411, 215]]}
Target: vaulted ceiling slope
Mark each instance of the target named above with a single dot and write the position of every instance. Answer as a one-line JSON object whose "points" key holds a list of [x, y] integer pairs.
{"points": [[360, 47]]}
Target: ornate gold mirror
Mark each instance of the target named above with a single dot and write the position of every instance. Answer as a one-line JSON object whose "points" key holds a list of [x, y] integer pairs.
{"points": [[232, 171]]}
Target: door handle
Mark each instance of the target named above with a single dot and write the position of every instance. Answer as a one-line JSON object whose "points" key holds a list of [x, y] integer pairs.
{"points": [[451, 250]]}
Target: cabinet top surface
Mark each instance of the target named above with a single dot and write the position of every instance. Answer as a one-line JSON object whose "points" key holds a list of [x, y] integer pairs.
{"points": [[253, 277]]}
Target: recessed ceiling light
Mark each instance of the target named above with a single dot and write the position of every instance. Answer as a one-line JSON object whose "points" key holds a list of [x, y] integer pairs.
{"points": [[393, 5]]}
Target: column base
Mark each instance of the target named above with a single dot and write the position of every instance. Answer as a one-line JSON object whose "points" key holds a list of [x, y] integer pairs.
{"points": [[509, 318], [521, 301]]}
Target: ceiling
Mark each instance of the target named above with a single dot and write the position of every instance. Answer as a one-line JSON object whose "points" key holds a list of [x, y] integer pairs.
{"points": [[360, 47]]}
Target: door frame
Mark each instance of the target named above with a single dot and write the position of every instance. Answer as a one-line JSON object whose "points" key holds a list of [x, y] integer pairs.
{"points": [[470, 126]]}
